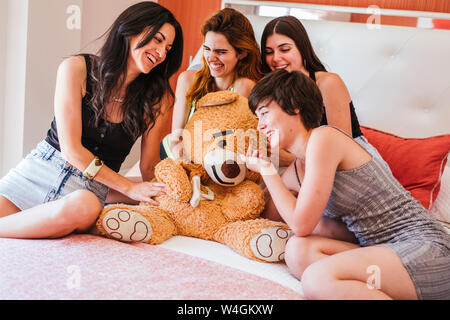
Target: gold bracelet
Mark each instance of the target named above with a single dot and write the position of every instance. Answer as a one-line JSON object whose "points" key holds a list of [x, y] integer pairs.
{"points": [[93, 168]]}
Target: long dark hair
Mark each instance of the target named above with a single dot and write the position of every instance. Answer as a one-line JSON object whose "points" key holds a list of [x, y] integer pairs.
{"points": [[291, 27], [140, 107]]}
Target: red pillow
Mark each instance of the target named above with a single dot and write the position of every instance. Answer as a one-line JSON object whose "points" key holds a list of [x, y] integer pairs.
{"points": [[417, 164]]}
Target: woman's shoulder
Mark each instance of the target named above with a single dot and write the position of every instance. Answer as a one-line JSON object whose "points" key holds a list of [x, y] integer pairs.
{"points": [[74, 66], [187, 76], [243, 86], [245, 81], [328, 80], [185, 80], [326, 136]]}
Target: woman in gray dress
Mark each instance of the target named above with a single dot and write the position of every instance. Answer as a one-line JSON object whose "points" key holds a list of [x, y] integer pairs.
{"points": [[403, 253]]}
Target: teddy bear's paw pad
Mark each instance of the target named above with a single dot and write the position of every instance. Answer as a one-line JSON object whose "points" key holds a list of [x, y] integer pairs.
{"points": [[126, 225], [269, 245]]}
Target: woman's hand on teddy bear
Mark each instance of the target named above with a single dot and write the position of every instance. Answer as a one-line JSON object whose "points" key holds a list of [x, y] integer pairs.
{"points": [[258, 163], [144, 191]]}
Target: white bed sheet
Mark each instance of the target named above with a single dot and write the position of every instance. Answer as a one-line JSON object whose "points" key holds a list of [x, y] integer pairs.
{"points": [[219, 253]]}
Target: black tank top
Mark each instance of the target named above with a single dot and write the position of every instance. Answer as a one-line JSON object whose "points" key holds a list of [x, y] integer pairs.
{"points": [[108, 141], [356, 130]]}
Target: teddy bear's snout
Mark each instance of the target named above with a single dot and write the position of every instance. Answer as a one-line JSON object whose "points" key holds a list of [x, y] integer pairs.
{"points": [[230, 169], [223, 167]]}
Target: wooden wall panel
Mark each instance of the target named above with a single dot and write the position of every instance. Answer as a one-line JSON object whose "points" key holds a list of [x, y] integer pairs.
{"points": [[191, 14], [419, 5]]}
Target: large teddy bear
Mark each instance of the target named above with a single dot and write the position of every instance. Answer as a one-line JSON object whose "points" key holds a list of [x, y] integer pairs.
{"points": [[211, 196]]}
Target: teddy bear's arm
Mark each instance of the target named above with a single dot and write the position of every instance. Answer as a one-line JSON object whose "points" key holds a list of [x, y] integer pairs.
{"points": [[173, 175]]}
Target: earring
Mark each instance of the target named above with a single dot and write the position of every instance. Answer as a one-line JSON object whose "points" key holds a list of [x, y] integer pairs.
{"points": [[304, 63]]}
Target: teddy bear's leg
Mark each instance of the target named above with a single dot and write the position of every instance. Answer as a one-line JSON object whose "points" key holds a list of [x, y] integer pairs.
{"points": [[258, 239], [269, 244], [136, 224]]}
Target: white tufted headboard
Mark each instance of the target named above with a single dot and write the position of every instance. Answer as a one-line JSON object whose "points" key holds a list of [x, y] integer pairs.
{"points": [[396, 75]]}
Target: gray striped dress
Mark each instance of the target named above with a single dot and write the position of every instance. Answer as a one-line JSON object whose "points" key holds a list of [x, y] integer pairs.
{"points": [[379, 211]]}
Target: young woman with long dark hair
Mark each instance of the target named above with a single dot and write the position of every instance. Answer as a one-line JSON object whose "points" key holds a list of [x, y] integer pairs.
{"points": [[102, 105], [285, 44]]}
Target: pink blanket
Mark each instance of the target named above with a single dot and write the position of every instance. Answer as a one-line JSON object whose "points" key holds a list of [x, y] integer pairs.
{"points": [[92, 267]]}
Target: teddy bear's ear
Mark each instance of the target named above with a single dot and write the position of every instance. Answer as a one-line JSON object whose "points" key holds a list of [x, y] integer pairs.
{"points": [[218, 98], [175, 178]]}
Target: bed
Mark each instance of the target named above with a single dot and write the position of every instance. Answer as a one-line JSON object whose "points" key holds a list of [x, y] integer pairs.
{"points": [[402, 97]]}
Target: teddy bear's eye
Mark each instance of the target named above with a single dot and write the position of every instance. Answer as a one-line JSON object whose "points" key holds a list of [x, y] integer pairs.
{"points": [[222, 133], [222, 143]]}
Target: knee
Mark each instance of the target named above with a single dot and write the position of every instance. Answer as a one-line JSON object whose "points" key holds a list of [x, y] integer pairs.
{"points": [[297, 255], [315, 280], [79, 208]]}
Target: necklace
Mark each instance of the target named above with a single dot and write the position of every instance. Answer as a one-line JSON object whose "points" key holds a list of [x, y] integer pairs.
{"points": [[115, 99]]}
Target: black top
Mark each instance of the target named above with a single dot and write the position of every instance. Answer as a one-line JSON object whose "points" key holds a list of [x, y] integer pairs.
{"points": [[108, 141], [356, 130]]}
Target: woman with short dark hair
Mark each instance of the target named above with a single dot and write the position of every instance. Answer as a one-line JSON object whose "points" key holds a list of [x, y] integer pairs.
{"points": [[402, 251]]}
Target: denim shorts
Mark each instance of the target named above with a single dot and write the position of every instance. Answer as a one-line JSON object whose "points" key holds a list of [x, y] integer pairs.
{"points": [[44, 176]]}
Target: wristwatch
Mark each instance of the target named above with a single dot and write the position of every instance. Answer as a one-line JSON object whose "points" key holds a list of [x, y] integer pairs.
{"points": [[93, 168]]}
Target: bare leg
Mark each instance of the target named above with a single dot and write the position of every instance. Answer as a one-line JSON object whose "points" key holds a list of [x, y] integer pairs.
{"points": [[334, 229], [7, 207], [75, 212], [363, 273], [327, 227], [301, 252]]}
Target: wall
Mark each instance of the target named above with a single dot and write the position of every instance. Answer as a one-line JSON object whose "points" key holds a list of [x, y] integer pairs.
{"points": [[98, 15], [420, 5], [191, 15], [35, 45], [14, 82], [3, 26], [49, 42]]}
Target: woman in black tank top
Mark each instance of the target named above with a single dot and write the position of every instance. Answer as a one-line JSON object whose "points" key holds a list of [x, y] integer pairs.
{"points": [[285, 44], [102, 105]]}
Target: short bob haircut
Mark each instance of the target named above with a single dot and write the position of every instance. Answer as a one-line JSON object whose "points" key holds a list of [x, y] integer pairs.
{"points": [[292, 91]]}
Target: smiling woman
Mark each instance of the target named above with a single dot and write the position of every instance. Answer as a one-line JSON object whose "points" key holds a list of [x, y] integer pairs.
{"points": [[285, 44], [154, 51], [231, 61], [102, 105]]}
